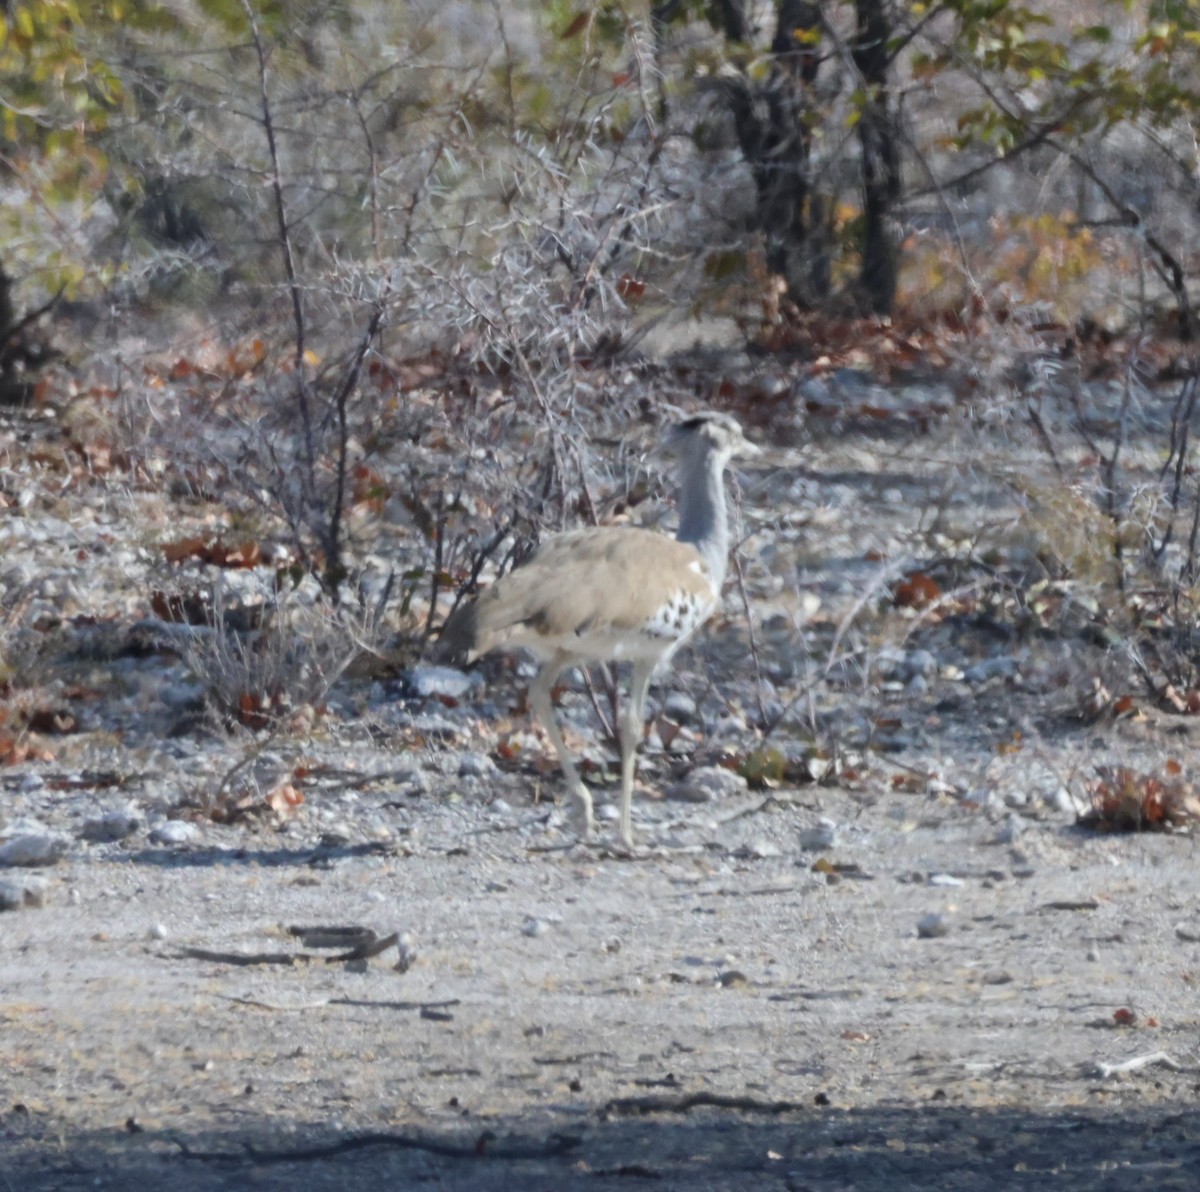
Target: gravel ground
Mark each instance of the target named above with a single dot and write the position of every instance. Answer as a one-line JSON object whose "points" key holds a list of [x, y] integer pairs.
{"points": [[919, 972]]}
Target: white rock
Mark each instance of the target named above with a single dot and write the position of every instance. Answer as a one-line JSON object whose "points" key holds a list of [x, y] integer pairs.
{"points": [[172, 832], [816, 766], [408, 954], [1063, 800], [157, 931], [34, 849], [534, 927], [425, 682]]}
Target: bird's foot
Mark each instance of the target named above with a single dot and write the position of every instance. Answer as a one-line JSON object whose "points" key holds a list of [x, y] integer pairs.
{"points": [[580, 813]]}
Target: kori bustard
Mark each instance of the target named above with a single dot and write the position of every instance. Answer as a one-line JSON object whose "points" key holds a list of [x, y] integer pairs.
{"points": [[614, 594]]}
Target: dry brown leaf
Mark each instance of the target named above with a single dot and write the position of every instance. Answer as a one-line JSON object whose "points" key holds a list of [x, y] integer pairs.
{"points": [[918, 590]]}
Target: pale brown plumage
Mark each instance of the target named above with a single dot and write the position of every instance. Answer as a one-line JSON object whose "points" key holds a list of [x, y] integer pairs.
{"points": [[613, 594]]}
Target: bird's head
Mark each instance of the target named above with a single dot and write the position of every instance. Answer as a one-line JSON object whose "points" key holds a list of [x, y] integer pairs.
{"points": [[712, 433]]}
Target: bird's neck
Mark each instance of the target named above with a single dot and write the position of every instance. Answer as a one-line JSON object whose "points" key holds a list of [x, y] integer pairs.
{"points": [[703, 520]]}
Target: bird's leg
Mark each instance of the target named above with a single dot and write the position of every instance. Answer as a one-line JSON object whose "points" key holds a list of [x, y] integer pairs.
{"points": [[542, 703], [632, 727]]}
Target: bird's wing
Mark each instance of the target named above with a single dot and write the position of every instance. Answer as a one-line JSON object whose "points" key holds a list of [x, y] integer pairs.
{"points": [[589, 582]]}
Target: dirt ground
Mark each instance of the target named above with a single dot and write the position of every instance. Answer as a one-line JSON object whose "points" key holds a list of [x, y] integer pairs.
{"points": [[688, 1019], [864, 984]]}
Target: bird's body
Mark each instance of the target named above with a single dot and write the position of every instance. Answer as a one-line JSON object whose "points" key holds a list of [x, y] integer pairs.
{"points": [[618, 594], [614, 594]]}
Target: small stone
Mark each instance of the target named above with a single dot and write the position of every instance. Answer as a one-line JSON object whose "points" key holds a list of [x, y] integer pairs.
{"points": [[113, 825], [407, 953], [815, 391], [157, 932], [414, 782], [1009, 832], [816, 765], [760, 850], [534, 927], [174, 832], [1005, 666], [732, 979], [707, 783], [429, 725], [612, 945], [1062, 800], [944, 879], [33, 849], [932, 926], [729, 726], [475, 765], [19, 894], [822, 836], [443, 682], [920, 664], [680, 708]]}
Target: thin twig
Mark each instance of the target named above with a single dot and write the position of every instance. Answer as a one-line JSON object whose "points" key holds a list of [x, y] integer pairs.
{"points": [[285, 245]]}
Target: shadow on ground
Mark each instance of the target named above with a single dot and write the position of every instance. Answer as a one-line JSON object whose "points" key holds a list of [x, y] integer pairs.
{"points": [[798, 1150]]}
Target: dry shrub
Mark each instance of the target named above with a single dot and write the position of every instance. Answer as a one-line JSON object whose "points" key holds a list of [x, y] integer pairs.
{"points": [[1128, 800], [275, 669]]}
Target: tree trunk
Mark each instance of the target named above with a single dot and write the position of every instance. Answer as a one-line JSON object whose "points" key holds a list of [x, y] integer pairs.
{"points": [[880, 157], [773, 125], [23, 349]]}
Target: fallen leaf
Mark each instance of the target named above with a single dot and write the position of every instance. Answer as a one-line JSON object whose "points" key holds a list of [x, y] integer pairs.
{"points": [[918, 590]]}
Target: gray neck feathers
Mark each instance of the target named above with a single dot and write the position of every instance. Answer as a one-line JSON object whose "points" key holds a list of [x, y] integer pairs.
{"points": [[703, 520]]}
